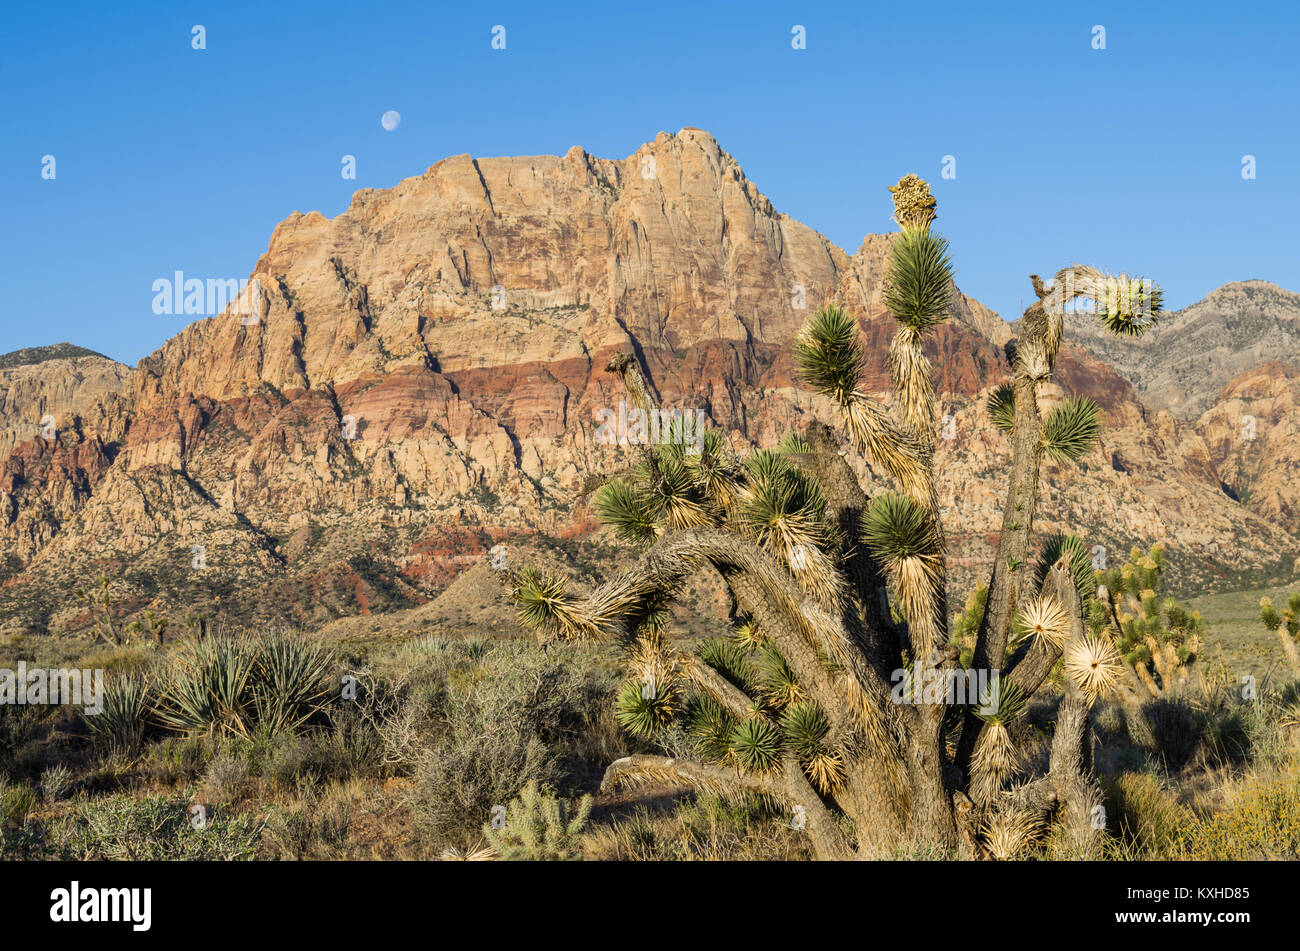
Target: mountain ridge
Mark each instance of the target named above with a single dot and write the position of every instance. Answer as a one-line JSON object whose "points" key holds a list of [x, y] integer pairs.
{"points": [[424, 374]]}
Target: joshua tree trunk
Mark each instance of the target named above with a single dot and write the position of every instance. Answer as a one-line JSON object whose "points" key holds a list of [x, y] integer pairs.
{"points": [[1289, 649]]}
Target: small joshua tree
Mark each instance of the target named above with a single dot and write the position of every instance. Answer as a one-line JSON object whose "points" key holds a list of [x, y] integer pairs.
{"points": [[1286, 625], [1158, 638], [837, 693], [99, 601]]}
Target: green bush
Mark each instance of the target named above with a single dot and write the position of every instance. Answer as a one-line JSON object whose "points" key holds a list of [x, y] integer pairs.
{"points": [[1147, 814], [152, 828], [16, 801], [1263, 822], [490, 726]]}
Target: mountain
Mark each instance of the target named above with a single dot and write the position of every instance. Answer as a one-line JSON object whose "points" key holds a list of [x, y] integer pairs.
{"points": [[422, 377], [1253, 435], [29, 356], [1184, 362], [57, 385]]}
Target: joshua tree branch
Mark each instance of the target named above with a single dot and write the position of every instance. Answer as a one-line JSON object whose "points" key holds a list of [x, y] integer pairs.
{"points": [[736, 701], [845, 503]]}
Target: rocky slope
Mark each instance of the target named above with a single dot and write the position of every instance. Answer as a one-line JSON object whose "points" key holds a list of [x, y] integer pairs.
{"points": [[424, 377], [1184, 362], [60, 381], [1253, 435]]}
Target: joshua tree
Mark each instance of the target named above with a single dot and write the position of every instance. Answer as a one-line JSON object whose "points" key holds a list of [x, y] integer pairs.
{"points": [[839, 694], [1286, 624], [99, 601]]}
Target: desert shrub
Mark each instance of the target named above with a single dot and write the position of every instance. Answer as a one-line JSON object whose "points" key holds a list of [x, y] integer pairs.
{"points": [[348, 746], [538, 827], [284, 760], [1143, 812], [226, 776], [177, 759], [708, 827], [1262, 821], [314, 827], [490, 727], [16, 801], [151, 828], [56, 782], [20, 727], [1110, 719]]}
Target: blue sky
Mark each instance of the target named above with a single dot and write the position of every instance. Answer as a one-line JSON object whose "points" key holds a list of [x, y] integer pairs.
{"points": [[168, 158]]}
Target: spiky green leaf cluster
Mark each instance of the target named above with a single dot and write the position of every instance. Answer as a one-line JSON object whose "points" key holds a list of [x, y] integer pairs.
{"points": [[1079, 559], [783, 510], [827, 354], [710, 725], [674, 487], [625, 510], [756, 744], [894, 527], [1128, 307], [545, 605], [793, 444], [1001, 702], [805, 727], [1001, 407], [238, 684], [918, 283], [729, 659], [644, 712], [779, 686], [120, 724], [1072, 429]]}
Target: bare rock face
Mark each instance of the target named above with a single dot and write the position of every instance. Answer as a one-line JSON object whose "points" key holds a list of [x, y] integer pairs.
{"points": [[41, 391], [1253, 436], [421, 378]]}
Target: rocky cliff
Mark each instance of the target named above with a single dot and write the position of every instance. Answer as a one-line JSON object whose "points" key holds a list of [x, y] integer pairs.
{"points": [[421, 377]]}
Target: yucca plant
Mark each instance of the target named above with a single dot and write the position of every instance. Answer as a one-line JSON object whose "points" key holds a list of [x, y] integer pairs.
{"points": [[290, 682], [209, 688], [120, 725], [236, 685], [837, 598]]}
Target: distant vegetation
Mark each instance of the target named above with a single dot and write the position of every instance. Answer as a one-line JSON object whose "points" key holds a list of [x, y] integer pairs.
{"points": [[30, 355]]}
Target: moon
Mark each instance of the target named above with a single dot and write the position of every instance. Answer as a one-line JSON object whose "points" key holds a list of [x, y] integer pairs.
{"points": [[391, 119]]}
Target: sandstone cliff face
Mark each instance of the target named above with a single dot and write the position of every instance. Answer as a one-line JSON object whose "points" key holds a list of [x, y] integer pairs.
{"points": [[424, 374], [34, 388], [1253, 436]]}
